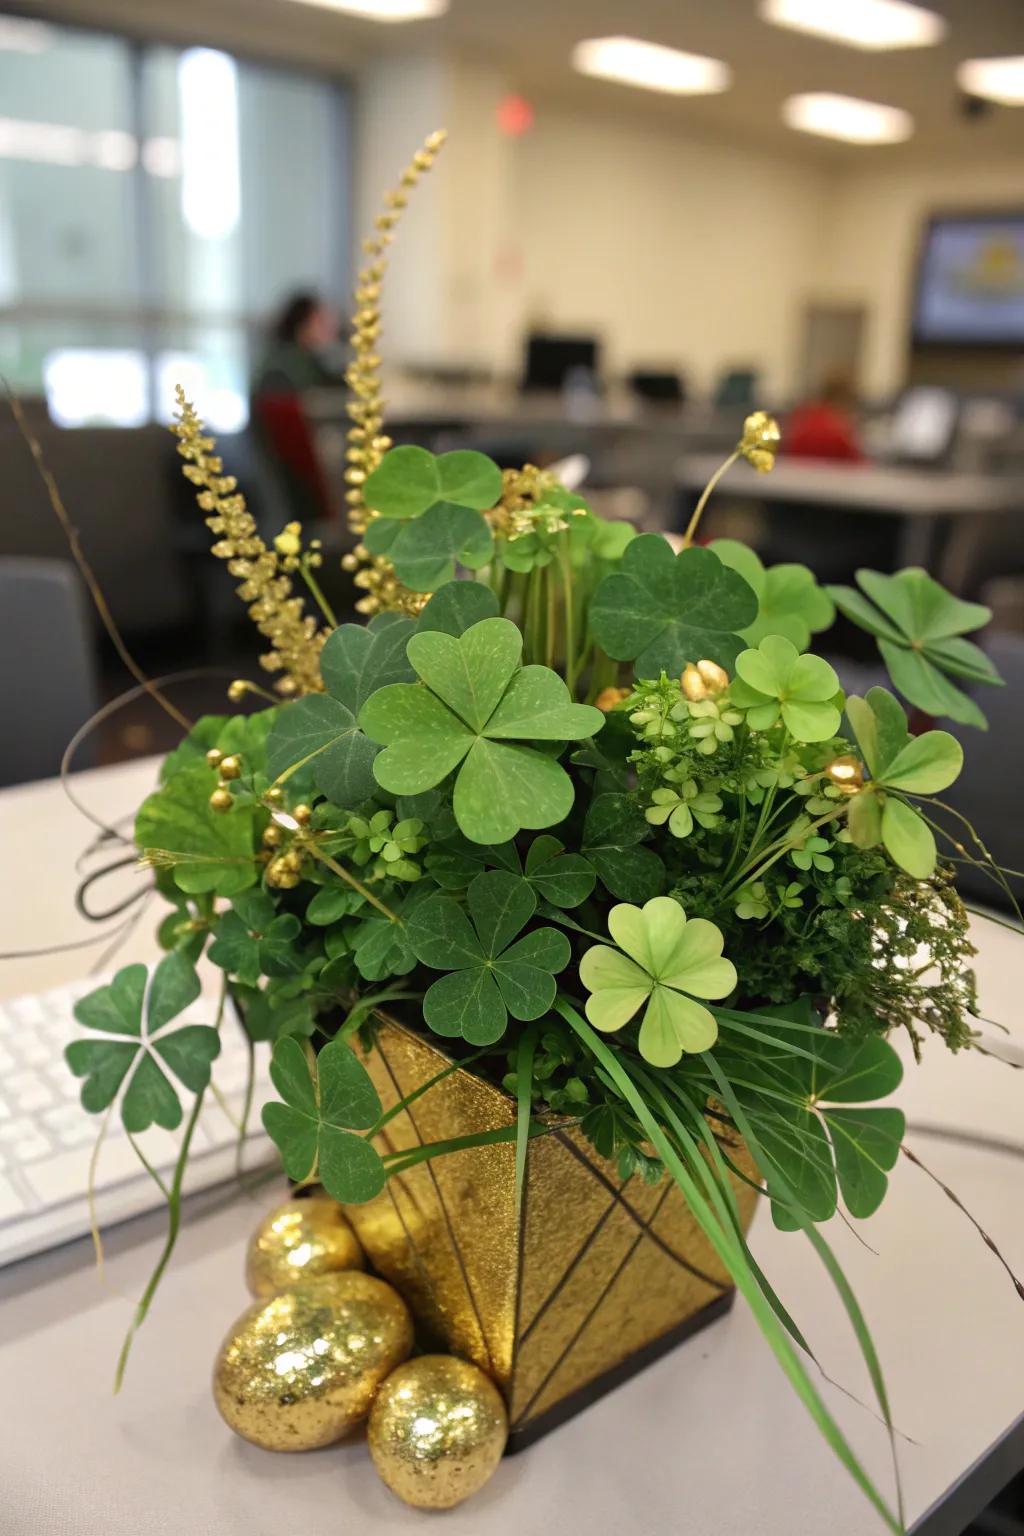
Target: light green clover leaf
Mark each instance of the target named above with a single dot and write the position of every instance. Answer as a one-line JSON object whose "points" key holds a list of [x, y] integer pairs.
{"points": [[664, 961], [919, 628], [664, 610], [752, 901], [323, 1107], [776, 681], [790, 602], [409, 480], [813, 854], [898, 764], [683, 808], [205, 849], [115, 1011], [492, 973], [472, 711]]}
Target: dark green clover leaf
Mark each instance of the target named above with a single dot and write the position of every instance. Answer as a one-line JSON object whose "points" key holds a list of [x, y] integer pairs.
{"points": [[457, 605], [562, 879], [789, 600], [492, 972], [426, 551], [321, 728], [919, 628], [323, 1107], [804, 1117], [205, 849], [664, 610], [332, 903], [254, 940], [899, 764], [478, 706], [408, 481], [381, 947], [612, 833], [115, 1012]]}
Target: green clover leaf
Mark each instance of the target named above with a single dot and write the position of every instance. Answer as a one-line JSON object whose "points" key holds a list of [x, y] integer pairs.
{"points": [[321, 728], [254, 940], [492, 973], [663, 610], [683, 808], [775, 682], [898, 764], [801, 1115], [477, 706], [457, 605], [561, 879], [426, 550], [789, 600], [207, 850], [614, 828], [323, 1107], [408, 481], [665, 961], [116, 1010], [919, 627]]}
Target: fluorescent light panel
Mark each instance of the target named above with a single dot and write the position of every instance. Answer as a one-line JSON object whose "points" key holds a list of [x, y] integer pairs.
{"points": [[18, 35], [871, 24], [1000, 80], [630, 61], [383, 10], [847, 118]]}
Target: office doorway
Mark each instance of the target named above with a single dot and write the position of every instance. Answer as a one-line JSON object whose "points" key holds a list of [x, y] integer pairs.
{"points": [[832, 342]]}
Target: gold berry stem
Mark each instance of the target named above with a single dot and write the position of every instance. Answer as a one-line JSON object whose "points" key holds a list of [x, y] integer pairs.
{"points": [[691, 527], [350, 879], [306, 573]]}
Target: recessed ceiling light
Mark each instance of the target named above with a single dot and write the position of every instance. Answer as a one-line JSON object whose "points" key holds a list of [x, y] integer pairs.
{"points": [[847, 118], [874, 24], [383, 10], [999, 80], [650, 66]]}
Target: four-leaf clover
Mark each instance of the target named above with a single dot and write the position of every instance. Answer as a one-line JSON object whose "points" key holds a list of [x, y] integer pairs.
{"points": [[919, 627], [314, 1128], [668, 961], [472, 711], [665, 610], [492, 973], [775, 682], [253, 940], [115, 1011]]}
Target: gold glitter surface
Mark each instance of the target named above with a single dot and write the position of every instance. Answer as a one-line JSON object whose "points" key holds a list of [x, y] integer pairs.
{"points": [[437, 1431], [593, 1270], [297, 1241], [301, 1370]]}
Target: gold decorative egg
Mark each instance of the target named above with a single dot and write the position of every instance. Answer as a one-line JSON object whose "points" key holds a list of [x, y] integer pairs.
{"points": [[437, 1431], [300, 1371], [298, 1240]]}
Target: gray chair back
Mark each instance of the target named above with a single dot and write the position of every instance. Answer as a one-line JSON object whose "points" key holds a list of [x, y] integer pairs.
{"points": [[47, 667]]}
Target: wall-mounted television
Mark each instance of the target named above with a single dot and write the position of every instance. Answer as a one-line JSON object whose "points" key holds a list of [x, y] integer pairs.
{"points": [[970, 281]]}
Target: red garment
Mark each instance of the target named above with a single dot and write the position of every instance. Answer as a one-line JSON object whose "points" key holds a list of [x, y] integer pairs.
{"points": [[820, 431]]}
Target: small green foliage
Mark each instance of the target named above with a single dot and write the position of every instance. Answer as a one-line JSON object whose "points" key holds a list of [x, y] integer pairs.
{"points": [[919, 627], [253, 940], [776, 682], [789, 601], [204, 850], [325, 1101], [115, 1013], [663, 610]]}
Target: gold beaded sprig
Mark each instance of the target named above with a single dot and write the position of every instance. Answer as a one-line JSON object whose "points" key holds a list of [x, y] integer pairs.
{"points": [[279, 615], [367, 442]]}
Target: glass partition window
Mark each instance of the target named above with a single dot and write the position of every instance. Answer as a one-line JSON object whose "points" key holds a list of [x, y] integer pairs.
{"points": [[156, 205]]}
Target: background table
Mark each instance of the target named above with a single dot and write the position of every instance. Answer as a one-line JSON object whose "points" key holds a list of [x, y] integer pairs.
{"points": [[710, 1441]]}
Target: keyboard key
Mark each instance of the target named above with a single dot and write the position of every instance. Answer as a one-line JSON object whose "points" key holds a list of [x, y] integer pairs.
{"points": [[25, 1010], [34, 1051], [66, 1175], [70, 1125], [11, 1203], [13, 1130], [27, 1091], [29, 1149]]}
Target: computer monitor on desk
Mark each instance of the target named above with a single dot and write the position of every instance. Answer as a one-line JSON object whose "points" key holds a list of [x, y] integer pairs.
{"points": [[923, 427], [550, 360]]}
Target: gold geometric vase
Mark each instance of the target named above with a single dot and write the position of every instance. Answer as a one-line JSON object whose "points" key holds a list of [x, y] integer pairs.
{"points": [[595, 1277]]}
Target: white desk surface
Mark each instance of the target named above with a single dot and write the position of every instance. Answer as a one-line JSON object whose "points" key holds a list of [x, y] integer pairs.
{"points": [[883, 488], [710, 1441]]}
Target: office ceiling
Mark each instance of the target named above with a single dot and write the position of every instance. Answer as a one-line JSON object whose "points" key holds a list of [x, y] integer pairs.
{"points": [[531, 41]]}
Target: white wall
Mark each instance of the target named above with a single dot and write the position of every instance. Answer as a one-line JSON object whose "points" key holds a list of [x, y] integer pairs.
{"points": [[870, 233]]}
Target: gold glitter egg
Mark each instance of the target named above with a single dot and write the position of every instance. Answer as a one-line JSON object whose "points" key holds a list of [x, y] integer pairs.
{"points": [[846, 773], [297, 1241], [301, 1370], [437, 1431]]}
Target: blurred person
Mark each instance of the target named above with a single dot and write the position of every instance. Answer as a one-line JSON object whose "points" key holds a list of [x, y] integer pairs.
{"points": [[303, 351], [825, 427]]}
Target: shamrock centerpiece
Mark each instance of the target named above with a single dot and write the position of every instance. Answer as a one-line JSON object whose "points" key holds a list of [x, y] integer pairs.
{"points": [[474, 707], [664, 960], [492, 972], [775, 682]]}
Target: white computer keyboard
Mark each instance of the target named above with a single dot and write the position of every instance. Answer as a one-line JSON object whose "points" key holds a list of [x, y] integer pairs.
{"points": [[47, 1138]]}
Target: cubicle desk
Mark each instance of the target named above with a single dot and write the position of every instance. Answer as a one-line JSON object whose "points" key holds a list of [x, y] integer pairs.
{"points": [[924, 501], [710, 1440]]}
